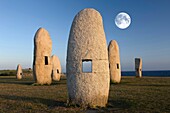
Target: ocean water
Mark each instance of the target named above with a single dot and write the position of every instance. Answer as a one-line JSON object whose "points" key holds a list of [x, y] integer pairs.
{"points": [[165, 73]]}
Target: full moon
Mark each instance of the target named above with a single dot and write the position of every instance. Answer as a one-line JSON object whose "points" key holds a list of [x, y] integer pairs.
{"points": [[122, 20]]}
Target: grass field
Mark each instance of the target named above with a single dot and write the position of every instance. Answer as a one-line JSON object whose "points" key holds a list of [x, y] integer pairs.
{"points": [[147, 94]]}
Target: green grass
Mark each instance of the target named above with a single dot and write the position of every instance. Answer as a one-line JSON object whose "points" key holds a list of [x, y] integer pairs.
{"points": [[7, 72], [147, 94], [13, 72]]}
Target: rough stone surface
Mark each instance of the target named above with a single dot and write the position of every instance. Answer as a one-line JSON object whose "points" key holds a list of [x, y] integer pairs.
{"points": [[114, 62], [42, 67], [138, 67], [19, 74], [56, 68], [87, 42]]}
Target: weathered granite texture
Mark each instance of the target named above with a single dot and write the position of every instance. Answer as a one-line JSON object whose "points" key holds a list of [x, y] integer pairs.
{"points": [[114, 62], [87, 42], [19, 74], [42, 67], [138, 67], [56, 68]]}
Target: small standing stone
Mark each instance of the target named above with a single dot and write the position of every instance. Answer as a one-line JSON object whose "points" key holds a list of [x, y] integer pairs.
{"points": [[19, 72], [56, 68], [138, 67], [114, 62]]}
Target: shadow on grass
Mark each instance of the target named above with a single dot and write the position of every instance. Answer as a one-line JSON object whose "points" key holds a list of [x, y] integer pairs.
{"points": [[48, 102], [152, 85], [30, 83], [12, 78], [27, 81], [113, 106], [120, 104], [121, 83], [17, 82]]}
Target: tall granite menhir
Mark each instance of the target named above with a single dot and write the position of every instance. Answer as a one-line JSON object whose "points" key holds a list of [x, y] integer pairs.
{"points": [[87, 44], [19, 74], [114, 62], [138, 67], [42, 67], [56, 68]]}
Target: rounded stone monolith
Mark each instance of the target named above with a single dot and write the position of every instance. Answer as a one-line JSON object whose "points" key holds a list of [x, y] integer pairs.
{"points": [[19, 74], [138, 67], [42, 67], [87, 66], [56, 68], [114, 62]]}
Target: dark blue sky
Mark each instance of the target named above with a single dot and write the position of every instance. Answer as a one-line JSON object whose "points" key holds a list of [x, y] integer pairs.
{"points": [[147, 37]]}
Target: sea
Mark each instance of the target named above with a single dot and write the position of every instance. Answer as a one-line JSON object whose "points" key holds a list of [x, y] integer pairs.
{"points": [[164, 73]]}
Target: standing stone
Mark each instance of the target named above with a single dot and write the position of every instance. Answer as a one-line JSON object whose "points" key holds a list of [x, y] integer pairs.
{"points": [[87, 44], [56, 68], [19, 72], [138, 67], [114, 62], [42, 67]]}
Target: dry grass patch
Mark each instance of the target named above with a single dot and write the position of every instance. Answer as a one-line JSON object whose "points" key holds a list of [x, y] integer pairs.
{"points": [[147, 94]]}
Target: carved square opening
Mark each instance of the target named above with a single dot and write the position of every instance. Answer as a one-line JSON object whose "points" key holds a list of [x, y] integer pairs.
{"points": [[87, 66], [117, 66], [46, 60]]}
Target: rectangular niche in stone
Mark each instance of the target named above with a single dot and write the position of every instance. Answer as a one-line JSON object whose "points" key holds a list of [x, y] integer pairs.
{"points": [[87, 66], [117, 66], [46, 60]]}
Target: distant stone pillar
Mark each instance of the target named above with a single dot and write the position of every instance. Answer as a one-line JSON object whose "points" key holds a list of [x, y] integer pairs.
{"points": [[56, 68], [114, 62], [19, 74], [138, 67], [87, 67], [42, 67]]}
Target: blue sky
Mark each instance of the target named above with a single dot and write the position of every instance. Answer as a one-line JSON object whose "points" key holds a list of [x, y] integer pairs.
{"points": [[147, 37]]}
